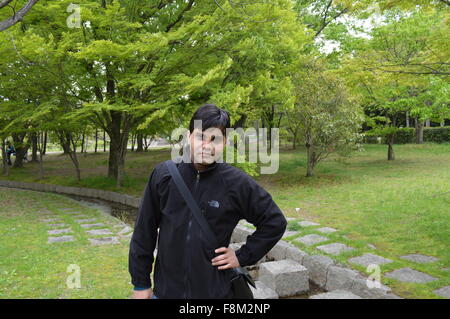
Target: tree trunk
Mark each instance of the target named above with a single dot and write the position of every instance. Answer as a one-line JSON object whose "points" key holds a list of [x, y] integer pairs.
{"points": [[104, 141], [40, 142], [407, 119], [241, 123], [69, 143], [118, 135], [86, 143], [140, 144], [146, 143], [45, 143], [391, 140], [311, 158], [419, 131], [263, 133], [66, 149], [116, 162], [73, 156], [21, 149], [96, 140], [132, 142], [82, 143], [34, 141], [391, 155]]}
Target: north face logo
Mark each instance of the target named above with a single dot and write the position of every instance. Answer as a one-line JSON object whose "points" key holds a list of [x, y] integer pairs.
{"points": [[214, 203]]}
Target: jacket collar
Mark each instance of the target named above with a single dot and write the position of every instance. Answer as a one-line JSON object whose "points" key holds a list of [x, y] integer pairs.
{"points": [[209, 168]]}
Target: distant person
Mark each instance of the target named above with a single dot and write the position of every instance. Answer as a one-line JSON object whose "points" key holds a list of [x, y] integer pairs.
{"points": [[9, 151]]}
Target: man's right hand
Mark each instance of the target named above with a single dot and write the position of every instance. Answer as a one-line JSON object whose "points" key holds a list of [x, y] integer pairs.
{"points": [[143, 294]]}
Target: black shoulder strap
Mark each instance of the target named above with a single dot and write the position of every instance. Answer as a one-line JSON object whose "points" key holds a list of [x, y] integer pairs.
{"points": [[187, 196]]}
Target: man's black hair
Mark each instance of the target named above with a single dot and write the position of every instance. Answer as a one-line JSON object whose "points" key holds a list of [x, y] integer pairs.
{"points": [[211, 116]]}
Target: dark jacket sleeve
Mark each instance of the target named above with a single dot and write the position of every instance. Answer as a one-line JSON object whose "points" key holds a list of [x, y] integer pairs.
{"points": [[259, 209], [143, 241]]}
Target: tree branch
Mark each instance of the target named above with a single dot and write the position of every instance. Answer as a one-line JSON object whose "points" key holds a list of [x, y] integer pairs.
{"points": [[4, 3], [180, 16], [16, 17], [326, 23]]}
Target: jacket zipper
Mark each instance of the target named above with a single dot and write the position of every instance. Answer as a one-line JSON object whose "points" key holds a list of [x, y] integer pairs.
{"points": [[188, 237]]}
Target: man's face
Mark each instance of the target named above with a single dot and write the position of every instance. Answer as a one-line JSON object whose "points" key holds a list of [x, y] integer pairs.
{"points": [[207, 146]]}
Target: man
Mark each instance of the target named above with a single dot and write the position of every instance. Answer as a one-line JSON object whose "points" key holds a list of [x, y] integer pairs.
{"points": [[186, 267]]}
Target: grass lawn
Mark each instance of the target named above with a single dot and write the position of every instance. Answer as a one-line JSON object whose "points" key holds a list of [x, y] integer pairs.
{"points": [[401, 207], [32, 268]]}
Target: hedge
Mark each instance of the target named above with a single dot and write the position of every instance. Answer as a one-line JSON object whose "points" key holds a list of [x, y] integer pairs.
{"points": [[407, 135]]}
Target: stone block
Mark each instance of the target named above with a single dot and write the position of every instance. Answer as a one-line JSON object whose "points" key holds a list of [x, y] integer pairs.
{"points": [[278, 252], [418, 258], [263, 292], [334, 248], [340, 278], [317, 266], [307, 223], [99, 232], [285, 277], [410, 275], [311, 239], [336, 294], [240, 234], [369, 259], [104, 241], [295, 254], [60, 239], [326, 230]]}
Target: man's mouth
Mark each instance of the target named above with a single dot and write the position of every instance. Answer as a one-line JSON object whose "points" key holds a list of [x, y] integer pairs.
{"points": [[207, 154]]}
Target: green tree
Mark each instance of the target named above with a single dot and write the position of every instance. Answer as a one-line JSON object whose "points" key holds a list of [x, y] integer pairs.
{"points": [[326, 117]]}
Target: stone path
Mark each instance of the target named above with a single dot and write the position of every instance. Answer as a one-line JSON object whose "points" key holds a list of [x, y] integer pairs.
{"points": [[289, 233], [97, 229], [280, 251], [311, 239], [410, 275], [422, 259], [367, 259], [59, 231], [306, 223], [60, 239], [443, 292], [335, 248], [103, 241], [336, 294], [92, 225], [99, 232], [326, 230]]}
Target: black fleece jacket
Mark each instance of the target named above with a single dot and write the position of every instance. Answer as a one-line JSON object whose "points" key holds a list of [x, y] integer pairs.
{"points": [[183, 266]]}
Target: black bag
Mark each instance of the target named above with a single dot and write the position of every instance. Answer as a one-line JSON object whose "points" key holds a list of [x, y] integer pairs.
{"points": [[240, 279]]}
